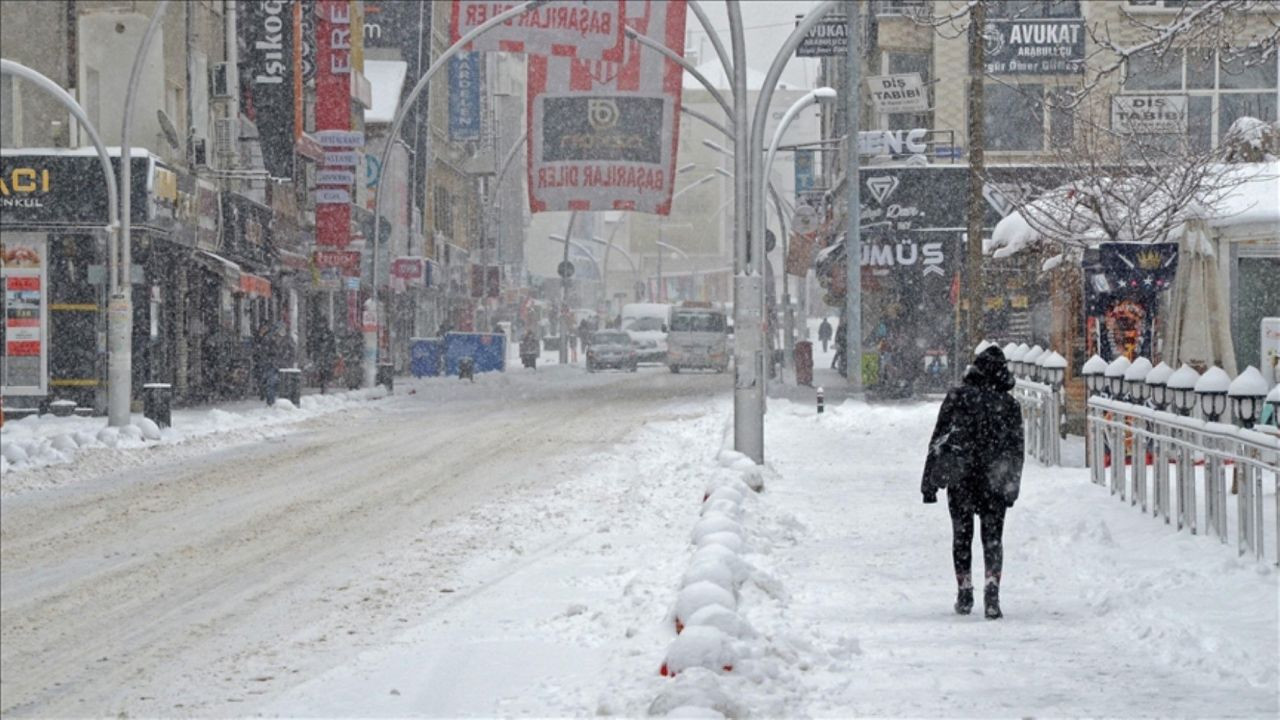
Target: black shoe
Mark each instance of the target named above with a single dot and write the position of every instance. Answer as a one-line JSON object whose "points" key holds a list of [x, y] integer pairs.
{"points": [[964, 601], [991, 599]]}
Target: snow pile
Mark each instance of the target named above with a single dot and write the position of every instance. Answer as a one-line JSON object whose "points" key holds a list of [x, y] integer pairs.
{"points": [[40, 441]]}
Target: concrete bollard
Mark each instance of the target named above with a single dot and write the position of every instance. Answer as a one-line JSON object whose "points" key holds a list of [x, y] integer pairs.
{"points": [[821, 403]]}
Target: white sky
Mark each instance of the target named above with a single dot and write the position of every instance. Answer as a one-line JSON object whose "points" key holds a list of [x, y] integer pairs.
{"points": [[766, 26]]}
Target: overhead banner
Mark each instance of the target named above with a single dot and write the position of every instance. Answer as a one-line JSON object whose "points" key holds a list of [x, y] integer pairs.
{"points": [[269, 75], [24, 363], [603, 135], [466, 77], [1034, 46], [333, 123], [588, 30]]}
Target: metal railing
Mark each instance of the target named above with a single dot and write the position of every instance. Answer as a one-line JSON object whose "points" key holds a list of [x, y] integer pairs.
{"points": [[1123, 438], [1041, 420]]}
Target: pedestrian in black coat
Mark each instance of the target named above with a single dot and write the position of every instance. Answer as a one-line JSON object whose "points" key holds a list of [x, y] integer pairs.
{"points": [[976, 455], [824, 334]]}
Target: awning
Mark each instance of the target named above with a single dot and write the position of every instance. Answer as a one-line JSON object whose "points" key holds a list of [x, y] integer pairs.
{"points": [[254, 285], [229, 271]]}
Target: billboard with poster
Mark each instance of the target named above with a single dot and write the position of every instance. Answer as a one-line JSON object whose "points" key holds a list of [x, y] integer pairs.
{"points": [[603, 135], [24, 364], [1123, 282]]}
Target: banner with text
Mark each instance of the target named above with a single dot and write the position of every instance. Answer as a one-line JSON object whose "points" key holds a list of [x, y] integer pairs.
{"points": [[24, 362], [269, 77], [603, 135], [466, 78], [563, 28], [333, 125]]}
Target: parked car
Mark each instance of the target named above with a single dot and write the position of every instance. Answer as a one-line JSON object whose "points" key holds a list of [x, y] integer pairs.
{"points": [[611, 349]]}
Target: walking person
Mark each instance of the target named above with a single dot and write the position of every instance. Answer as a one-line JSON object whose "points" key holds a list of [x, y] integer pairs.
{"points": [[824, 333], [976, 455]]}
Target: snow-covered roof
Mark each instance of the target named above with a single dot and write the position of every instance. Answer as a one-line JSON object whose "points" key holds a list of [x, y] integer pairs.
{"points": [[386, 81], [1249, 194]]}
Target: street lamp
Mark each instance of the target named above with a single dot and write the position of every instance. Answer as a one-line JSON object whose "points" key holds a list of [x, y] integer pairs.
{"points": [[1158, 385], [1212, 391], [1246, 393], [1135, 387], [1182, 385], [1115, 377], [1092, 371]]}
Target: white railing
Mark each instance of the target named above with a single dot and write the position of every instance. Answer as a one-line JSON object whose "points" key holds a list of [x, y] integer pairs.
{"points": [[1041, 420], [1124, 437]]}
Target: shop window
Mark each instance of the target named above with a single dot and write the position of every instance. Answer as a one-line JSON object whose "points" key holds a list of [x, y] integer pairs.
{"points": [[1013, 117]]}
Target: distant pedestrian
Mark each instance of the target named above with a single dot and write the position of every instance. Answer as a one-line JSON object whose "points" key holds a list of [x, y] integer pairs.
{"points": [[584, 333], [326, 356], [824, 333], [976, 455], [838, 360]]}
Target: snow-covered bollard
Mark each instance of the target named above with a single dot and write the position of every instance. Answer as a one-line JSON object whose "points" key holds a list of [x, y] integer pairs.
{"points": [[714, 522], [699, 646], [723, 619], [822, 406], [730, 540], [696, 689], [721, 555], [715, 572], [698, 595]]}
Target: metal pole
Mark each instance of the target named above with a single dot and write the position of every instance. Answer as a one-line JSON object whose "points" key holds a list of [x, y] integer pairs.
{"points": [[976, 206], [449, 52], [564, 292], [9, 67], [120, 308], [853, 215], [661, 291], [745, 155], [711, 33]]}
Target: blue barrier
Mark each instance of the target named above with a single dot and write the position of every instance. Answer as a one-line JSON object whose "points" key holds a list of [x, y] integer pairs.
{"points": [[488, 350], [425, 355]]}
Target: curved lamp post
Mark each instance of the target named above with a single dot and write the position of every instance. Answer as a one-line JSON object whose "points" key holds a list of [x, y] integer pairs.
{"points": [[117, 396]]}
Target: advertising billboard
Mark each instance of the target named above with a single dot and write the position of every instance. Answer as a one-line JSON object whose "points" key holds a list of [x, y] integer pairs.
{"points": [[270, 59], [24, 363]]}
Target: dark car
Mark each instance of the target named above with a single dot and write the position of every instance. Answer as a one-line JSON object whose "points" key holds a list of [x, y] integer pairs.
{"points": [[611, 349]]}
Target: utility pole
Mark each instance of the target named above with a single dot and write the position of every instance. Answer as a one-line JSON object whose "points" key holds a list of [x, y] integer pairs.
{"points": [[853, 216], [972, 277]]}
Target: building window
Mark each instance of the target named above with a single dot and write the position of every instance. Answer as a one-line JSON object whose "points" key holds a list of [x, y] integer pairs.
{"points": [[1220, 87], [900, 7], [1012, 9], [1062, 119], [10, 114], [1166, 4], [1013, 117]]}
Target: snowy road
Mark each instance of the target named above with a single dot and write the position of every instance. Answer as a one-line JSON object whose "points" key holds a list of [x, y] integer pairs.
{"points": [[206, 585]]}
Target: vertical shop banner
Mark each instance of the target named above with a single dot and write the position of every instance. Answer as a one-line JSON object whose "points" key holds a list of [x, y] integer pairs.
{"points": [[269, 57], [333, 121], [466, 78], [603, 135], [804, 170], [24, 364], [1123, 282], [585, 29]]}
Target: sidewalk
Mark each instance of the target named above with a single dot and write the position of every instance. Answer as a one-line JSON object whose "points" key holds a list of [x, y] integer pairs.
{"points": [[1108, 611]]}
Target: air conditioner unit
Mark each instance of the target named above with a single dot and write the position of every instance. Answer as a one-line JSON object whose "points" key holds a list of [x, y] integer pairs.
{"points": [[224, 137], [222, 81], [200, 152]]}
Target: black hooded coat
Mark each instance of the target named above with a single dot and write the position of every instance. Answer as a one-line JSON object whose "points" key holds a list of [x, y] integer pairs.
{"points": [[976, 448]]}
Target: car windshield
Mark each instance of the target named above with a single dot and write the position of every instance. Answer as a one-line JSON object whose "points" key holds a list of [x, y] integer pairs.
{"points": [[645, 324], [610, 338], [697, 322]]}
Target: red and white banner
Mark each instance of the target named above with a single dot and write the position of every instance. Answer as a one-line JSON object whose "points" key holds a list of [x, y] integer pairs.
{"points": [[603, 135], [586, 29], [333, 113]]}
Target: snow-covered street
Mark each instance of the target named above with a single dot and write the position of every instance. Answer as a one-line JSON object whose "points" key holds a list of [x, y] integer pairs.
{"points": [[515, 547]]}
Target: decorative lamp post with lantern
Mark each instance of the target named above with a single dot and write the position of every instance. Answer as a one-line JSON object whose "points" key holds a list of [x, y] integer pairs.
{"points": [[1157, 382], [1015, 359], [1115, 377], [1181, 386], [1093, 373], [1135, 387], [1247, 392], [1053, 370], [1273, 402], [1211, 389], [1029, 362]]}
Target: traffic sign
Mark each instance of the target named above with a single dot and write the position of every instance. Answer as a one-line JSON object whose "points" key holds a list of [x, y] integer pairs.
{"points": [[565, 269]]}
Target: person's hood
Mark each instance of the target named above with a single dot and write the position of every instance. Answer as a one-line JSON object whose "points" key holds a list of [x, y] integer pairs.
{"points": [[989, 370]]}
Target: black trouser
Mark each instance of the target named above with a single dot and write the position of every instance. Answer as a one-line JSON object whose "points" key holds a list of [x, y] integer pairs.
{"points": [[990, 511]]}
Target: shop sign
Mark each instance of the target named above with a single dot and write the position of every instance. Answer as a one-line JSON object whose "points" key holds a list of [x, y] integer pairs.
{"points": [[898, 93], [564, 28], [828, 38], [335, 177], [346, 261], [269, 55], [1035, 46], [254, 285], [24, 364], [65, 190], [340, 138], [892, 142], [335, 46], [1157, 114], [466, 77], [329, 196], [408, 268], [804, 170]]}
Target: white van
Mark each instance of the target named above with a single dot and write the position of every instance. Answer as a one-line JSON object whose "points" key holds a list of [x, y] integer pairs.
{"points": [[647, 324], [698, 337]]}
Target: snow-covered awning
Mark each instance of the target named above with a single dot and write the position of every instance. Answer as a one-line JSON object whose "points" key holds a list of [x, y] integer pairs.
{"points": [[386, 78]]}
